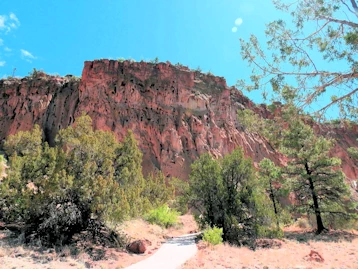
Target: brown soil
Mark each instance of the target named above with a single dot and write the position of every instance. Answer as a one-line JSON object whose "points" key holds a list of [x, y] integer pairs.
{"points": [[339, 250], [14, 255]]}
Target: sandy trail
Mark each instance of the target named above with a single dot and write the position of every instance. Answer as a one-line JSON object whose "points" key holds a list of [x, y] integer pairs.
{"points": [[171, 254]]}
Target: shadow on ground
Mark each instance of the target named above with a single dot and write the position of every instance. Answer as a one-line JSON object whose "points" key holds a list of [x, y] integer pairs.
{"points": [[327, 236], [10, 240]]}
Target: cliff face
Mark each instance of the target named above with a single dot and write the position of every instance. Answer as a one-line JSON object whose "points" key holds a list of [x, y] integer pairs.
{"points": [[48, 101], [176, 114]]}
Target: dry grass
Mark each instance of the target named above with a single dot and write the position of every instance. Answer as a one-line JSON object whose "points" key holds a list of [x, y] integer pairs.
{"points": [[13, 254], [339, 250]]}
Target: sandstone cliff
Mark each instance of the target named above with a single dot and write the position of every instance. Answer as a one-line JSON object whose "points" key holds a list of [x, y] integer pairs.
{"points": [[176, 114]]}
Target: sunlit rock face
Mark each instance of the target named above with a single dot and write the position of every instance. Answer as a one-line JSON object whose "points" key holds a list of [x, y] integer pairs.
{"points": [[176, 114]]}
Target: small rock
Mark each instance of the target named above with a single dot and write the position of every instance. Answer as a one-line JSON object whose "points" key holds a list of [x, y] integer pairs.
{"points": [[315, 256], [138, 246]]}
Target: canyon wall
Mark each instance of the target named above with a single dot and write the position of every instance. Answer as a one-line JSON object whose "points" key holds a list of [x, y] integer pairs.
{"points": [[176, 114]]}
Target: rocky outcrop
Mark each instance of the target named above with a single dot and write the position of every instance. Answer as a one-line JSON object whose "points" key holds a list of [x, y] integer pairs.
{"points": [[176, 114], [45, 100]]}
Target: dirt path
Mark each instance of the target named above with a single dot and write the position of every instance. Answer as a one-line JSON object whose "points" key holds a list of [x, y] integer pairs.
{"points": [[171, 254]]}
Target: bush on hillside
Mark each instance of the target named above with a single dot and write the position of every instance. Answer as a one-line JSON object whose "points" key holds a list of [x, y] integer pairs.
{"points": [[162, 216], [213, 236]]}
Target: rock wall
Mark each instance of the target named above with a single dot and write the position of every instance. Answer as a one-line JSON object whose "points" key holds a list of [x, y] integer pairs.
{"points": [[45, 100], [176, 114]]}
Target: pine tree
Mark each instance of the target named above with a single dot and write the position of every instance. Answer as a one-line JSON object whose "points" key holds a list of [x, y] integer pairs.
{"points": [[227, 195], [269, 175], [316, 178], [297, 60], [205, 188], [128, 174], [239, 201]]}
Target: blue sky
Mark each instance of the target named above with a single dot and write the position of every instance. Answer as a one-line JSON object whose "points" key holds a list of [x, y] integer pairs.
{"points": [[58, 36]]}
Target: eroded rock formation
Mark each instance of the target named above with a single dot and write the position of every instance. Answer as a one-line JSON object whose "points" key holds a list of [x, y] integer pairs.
{"points": [[176, 114]]}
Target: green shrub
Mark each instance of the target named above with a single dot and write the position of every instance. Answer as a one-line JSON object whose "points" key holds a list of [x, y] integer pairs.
{"points": [[182, 195], [341, 222], [57, 191], [163, 216], [226, 195], [57, 221], [265, 232], [156, 191], [213, 236], [155, 60], [2, 166]]}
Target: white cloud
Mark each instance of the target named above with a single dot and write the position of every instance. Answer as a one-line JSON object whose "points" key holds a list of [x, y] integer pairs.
{"points": [[238, 21], [2, 21], [14, 18], [2, 63], [234, 29], [26, 55], [8, 23]]}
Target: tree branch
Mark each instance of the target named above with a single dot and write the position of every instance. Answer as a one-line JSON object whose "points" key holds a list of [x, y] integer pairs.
{"points": [[338, 100], [337, 79], [344, 3], [314, 33], [354, 5], [344, 22]]}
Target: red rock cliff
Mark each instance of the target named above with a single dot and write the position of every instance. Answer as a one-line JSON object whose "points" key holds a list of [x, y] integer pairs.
{"points": [[176, 114]]}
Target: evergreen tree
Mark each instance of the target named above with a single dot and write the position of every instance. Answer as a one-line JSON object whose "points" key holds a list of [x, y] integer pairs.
{"points": [[89, 158], [157, 191], [269, 176], [128, 174], [227, 195], [240, 203], [316, 178], [86, 180], [24, 143], [353, 152], [205, 188]]}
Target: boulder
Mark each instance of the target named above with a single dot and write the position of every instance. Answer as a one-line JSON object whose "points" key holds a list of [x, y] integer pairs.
{"points": [[138, 246]]}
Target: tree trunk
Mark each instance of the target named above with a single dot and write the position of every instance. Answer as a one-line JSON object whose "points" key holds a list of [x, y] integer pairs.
{"points": [[320, 226], [272, 196]]}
